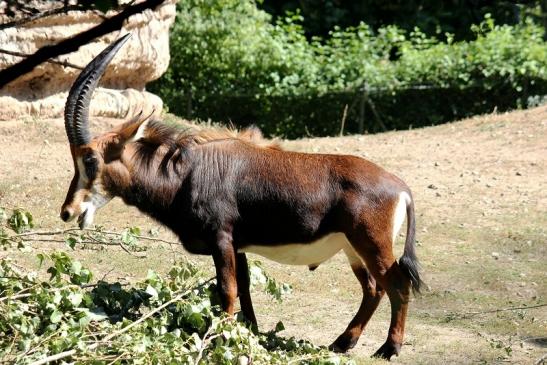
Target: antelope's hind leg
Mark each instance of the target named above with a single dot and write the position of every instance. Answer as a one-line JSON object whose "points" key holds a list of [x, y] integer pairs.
{"points": [[372, 295], [378, 257]]}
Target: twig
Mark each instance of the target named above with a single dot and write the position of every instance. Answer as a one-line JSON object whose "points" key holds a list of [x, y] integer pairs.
{"points": [[54, 61], [117, 244], [205, 341], [308, 357], [106, 274], [470, 314], [37, 347], [70, 230], [41, 15], [26, 295], [117, 358], [90, 238], [142, 255], [52, 240]]}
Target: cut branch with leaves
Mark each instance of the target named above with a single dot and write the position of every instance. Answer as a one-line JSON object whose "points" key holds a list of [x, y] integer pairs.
{"points": [[22, 222], [71, 318]]}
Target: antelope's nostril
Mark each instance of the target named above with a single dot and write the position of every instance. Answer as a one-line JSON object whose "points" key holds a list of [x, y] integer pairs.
{"points": [[65, 215]]}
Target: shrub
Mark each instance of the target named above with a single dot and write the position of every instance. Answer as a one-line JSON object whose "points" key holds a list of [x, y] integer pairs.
{"points": [[229, 63]]}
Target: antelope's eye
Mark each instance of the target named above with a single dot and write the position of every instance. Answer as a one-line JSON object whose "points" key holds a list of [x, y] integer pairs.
{"points": [[91, 165]]}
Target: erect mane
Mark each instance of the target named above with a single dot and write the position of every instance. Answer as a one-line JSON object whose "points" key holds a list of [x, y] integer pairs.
{"points": [[158, 133]]}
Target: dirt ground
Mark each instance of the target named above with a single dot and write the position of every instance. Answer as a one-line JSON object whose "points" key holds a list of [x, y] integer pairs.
{"points": [[480, 190]]}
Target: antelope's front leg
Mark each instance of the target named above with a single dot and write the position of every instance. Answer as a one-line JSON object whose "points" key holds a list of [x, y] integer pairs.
{"points": [[225, 265], [243, 288]]}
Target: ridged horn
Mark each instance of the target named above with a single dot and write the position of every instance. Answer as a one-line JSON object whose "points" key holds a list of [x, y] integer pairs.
{"points": [[79, 97]]}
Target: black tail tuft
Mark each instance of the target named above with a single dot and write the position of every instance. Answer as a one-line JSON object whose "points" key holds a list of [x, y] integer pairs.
{"points": [[411, 268]]}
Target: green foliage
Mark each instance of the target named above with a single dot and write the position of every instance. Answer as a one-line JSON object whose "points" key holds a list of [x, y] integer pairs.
{"points": [[434, 17], [110, 324], [259, 277], [106, 322], [130, 236], [230, 63], [128, 239], [20, 220]]}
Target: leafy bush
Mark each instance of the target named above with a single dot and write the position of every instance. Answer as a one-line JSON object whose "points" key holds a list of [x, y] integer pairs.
{"points": [[432, 16], [229, 63]]}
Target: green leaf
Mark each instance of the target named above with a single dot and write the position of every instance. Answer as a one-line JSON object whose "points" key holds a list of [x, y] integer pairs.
{"points": [[75, 298], [56, 316], [21, 220], [151, 291], [76, 267], [71, 241]]}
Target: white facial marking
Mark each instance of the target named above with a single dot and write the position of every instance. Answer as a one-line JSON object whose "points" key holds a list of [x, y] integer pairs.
{"points": [[88, 213], [400, 213], [81, 169], [311, 254], [96, 200]]}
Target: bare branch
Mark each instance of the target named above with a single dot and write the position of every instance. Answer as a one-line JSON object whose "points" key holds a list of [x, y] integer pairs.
{"points": [[89, 230], [40, 15], [470, 314], [73, 44], [57, 62]]}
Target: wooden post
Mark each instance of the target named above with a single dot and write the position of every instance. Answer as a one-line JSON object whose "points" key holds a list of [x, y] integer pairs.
{"points": [[342, 124], [362, 101]]}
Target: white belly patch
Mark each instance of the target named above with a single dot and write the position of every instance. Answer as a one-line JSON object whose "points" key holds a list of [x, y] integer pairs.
{"points": [[311, 254]]}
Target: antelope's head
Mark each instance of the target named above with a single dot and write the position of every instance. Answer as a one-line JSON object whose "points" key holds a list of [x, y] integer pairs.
{"points": [[94, 158]]}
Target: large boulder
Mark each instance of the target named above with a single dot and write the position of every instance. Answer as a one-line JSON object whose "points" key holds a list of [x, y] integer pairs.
{"points": [[42, 92]]}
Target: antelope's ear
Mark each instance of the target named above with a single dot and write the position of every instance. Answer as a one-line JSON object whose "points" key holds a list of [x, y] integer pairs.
{"points": [[134, 129]]}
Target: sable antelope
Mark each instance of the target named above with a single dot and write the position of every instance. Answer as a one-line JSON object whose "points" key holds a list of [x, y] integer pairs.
{"points": [[228, 194]]}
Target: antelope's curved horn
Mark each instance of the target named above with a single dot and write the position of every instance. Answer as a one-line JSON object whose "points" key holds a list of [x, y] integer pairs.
{"points": [[79, 97]]}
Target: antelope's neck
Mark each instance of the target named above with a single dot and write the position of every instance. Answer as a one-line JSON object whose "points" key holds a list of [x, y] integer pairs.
{"points": [[152, 181]]}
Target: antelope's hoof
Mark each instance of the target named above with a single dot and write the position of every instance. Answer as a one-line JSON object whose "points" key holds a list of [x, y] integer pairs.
{"points": [[343, 343], [387, 350]]}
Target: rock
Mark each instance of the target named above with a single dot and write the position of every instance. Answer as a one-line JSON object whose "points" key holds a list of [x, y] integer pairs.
{"points": [[43, 91], [495, 255]]}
